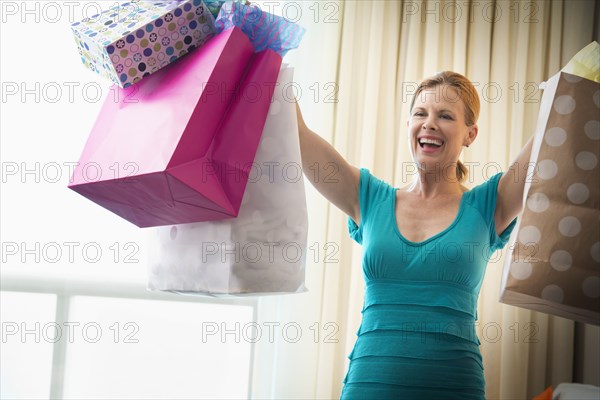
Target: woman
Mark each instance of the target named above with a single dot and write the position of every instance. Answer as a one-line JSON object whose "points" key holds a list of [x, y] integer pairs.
{"points": [[426, 247]]}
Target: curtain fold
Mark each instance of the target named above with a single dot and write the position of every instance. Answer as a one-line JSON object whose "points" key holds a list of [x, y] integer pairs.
{"points": [[376, 53]]}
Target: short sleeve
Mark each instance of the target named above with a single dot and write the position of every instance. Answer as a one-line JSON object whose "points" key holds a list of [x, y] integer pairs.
{"points": [[486, 196], [371, 192]]}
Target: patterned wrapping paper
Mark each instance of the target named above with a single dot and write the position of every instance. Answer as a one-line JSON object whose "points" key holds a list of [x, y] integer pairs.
{"points": [[265, 31], [214, 6], [132, 40], [555, 262]]}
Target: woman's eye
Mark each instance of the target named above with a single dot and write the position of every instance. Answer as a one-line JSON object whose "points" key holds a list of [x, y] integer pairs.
{"points": [[418, 114], [447, 117]]}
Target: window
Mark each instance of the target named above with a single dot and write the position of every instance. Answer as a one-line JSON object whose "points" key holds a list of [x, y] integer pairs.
{"points": [[75, 346], [66, 260], [77, 320]]}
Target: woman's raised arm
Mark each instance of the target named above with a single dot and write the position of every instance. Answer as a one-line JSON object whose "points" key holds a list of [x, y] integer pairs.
{"points": [[511, 188], [328, 171]]}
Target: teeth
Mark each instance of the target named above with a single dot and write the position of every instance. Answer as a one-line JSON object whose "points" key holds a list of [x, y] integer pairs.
{"points": [[431, 141]]}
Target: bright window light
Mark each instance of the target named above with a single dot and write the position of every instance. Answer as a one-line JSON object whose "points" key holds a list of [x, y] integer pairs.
{"points": [[150, 349], [28, 333]]}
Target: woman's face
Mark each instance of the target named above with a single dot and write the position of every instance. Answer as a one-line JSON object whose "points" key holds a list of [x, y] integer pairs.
{"points": [[437, 129]]}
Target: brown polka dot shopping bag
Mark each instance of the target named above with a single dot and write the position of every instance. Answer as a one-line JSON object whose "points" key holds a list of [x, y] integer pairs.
{"points": [[554, 264]]}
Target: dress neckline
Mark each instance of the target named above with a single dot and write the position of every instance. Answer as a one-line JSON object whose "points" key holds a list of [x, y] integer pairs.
{"points": [[449, 227]]}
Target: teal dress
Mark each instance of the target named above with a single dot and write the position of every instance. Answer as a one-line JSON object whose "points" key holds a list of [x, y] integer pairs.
{"points": [[417, 338]]}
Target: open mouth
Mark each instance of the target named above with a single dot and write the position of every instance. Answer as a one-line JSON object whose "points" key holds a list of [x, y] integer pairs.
{"points": [[430, 144]]}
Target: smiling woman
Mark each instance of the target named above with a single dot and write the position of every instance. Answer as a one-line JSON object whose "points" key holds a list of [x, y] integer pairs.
{"points": [[422, 285], [450, 100]]}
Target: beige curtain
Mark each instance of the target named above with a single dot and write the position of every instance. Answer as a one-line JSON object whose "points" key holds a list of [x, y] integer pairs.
{"points": [[376, 52]]}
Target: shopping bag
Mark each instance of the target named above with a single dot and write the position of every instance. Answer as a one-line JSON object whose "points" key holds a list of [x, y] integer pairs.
{"points": [[132, 40], [173, 148], [554, 260], [261, 251]]}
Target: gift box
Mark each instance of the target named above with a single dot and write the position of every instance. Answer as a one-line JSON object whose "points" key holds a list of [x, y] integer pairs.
{"points": [[132, 40], [263, 250], [176, 147], [554, 264]]}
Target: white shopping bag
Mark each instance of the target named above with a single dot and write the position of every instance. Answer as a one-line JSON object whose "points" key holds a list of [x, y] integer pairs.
{"points": [[263, 250]]}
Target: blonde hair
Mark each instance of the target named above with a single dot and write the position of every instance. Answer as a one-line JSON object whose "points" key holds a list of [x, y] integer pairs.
{"points": [[466, 92]]}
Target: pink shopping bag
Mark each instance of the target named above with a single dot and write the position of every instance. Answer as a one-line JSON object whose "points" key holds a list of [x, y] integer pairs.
{"points": [[177, 147]]}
